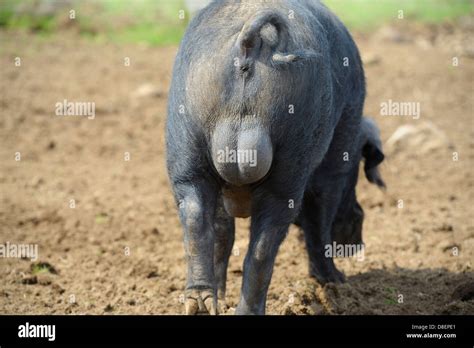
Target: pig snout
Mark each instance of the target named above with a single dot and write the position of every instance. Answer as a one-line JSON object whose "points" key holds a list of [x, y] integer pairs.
{"points": [[241, 152]]}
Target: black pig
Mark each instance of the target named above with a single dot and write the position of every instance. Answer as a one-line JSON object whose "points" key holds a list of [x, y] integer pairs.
{"points": [[346, 214], [265, 107]]}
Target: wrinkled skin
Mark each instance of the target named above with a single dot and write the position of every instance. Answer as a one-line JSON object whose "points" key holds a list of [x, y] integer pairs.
{"points": [[268, 79]]}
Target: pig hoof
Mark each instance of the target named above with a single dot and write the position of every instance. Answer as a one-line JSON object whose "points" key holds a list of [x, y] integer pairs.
{"points": [[338, 277], [200, 302], [222, 306]]}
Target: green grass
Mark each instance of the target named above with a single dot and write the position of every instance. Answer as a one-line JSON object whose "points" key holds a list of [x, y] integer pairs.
{"points": [[42, 267], [156, 22], [150, 34], [368, 14], [101, 218], [9, 18]]}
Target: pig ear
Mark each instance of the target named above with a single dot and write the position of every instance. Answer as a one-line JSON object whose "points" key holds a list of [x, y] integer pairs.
{"points": [[372, 152]]}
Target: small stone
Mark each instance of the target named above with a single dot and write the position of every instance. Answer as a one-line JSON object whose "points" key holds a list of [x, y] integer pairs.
{"points": [[421, 139], [444, 228], [44, 279], [58, 289], [29, 280], [109, 308], [148, 90], [152, 274]]}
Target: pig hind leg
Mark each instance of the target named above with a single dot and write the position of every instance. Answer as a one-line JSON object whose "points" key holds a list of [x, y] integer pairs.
{"points": [[197, 199], [224, 229], [316, 219]]}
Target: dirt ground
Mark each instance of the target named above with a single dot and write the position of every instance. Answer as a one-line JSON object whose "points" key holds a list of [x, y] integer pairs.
{"points": [[119, 251]]}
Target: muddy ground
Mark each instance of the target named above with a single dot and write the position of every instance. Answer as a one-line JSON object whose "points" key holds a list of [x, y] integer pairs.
{"points": [[120, 250]]}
